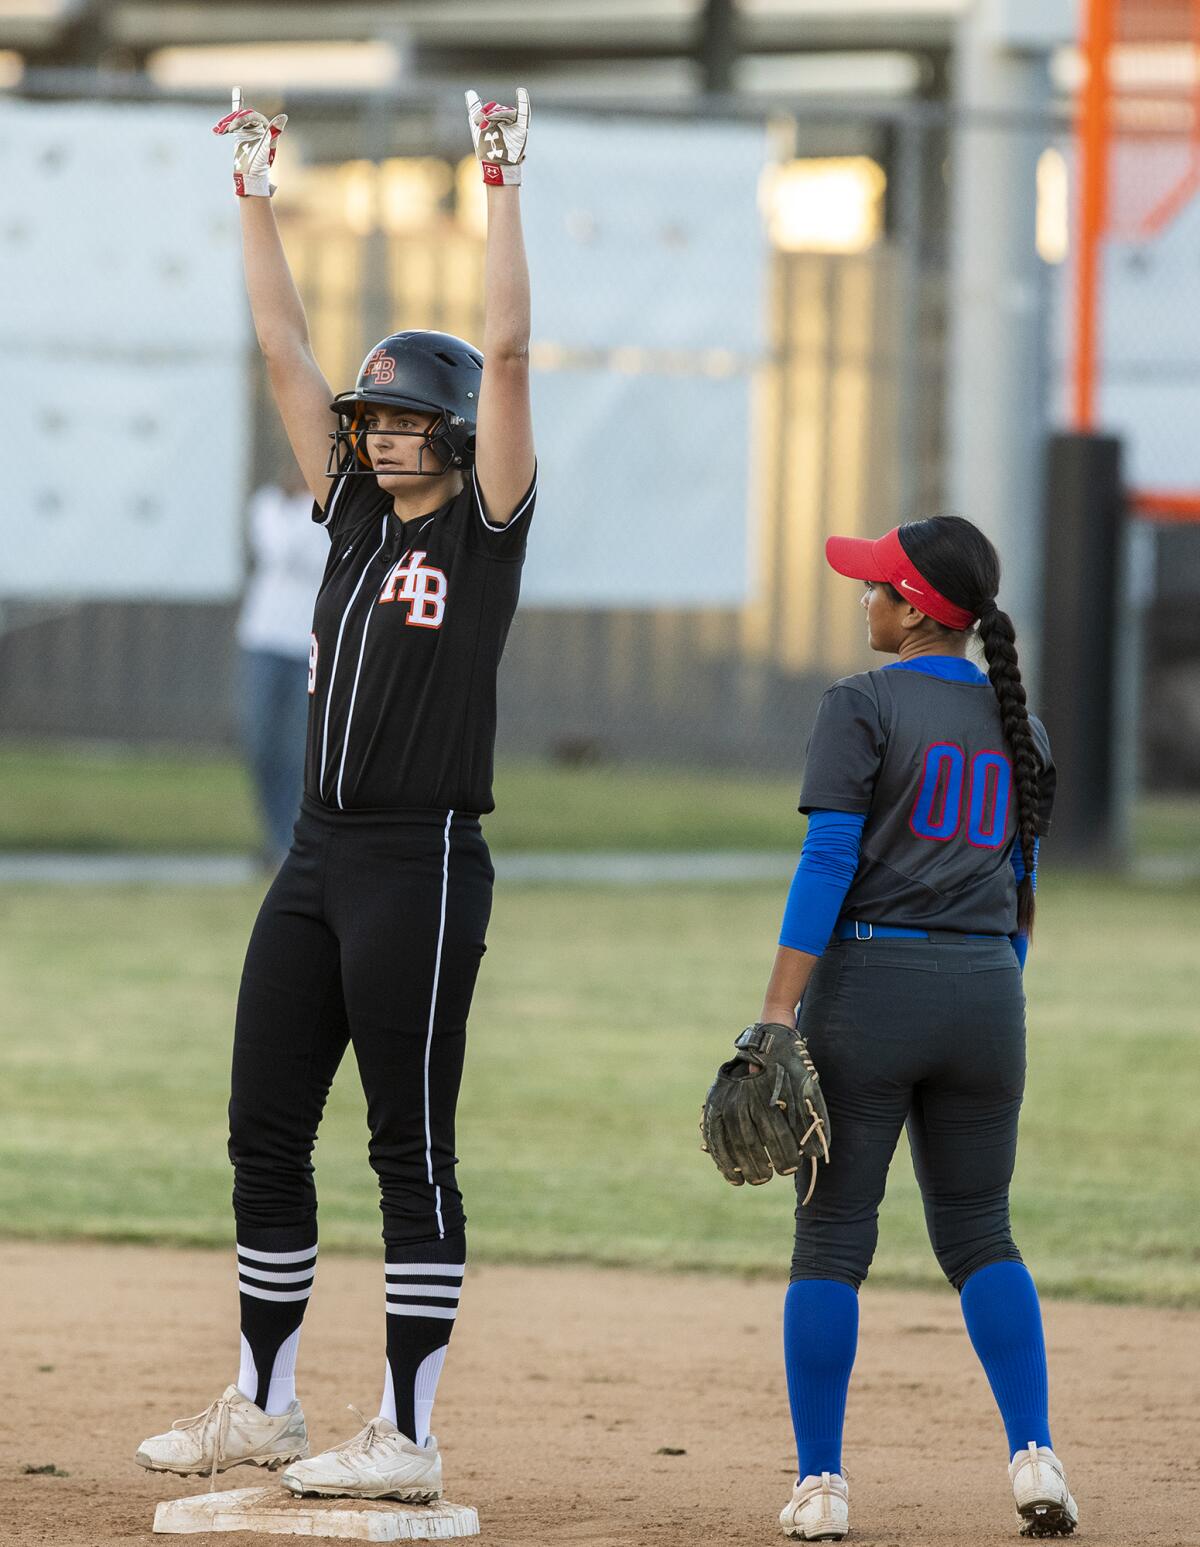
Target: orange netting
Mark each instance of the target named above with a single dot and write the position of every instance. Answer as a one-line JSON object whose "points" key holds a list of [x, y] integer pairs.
{"points": [[1153, 83], [1138, 153]]}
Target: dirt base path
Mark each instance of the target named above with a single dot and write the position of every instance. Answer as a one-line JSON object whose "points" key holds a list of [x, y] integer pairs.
{"points": [[564, 1388]]}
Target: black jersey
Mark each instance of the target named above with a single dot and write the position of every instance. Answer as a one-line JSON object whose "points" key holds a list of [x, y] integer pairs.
{"points": [[409, 627], [925, 760]]}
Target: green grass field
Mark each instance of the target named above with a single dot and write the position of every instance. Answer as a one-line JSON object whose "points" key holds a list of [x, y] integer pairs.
{"points": [[87, 799], [600, 1016], [91, 799]]}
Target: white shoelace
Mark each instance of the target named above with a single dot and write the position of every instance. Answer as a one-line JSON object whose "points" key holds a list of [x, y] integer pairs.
{"points": [[364, 1439], [218, 1413]]}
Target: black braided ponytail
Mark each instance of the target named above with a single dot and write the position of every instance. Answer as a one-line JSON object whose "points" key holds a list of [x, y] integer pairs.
{"points": [[999, 640], [959, 561]]}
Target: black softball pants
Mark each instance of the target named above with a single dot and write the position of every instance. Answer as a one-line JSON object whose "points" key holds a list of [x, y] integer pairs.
{"points": [[371, 934], [931, 1035]]}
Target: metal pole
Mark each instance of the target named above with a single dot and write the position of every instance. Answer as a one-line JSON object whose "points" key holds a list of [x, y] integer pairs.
{"points": [[84, 40], [908, 384], [718, 50], [1084, 604], [997, 346]]}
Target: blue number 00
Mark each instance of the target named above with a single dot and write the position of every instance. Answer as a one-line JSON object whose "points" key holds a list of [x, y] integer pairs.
{"points": [[937, 810]]}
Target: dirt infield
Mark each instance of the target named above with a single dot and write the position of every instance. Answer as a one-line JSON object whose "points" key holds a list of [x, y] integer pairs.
{"points": [[565, 1390]]}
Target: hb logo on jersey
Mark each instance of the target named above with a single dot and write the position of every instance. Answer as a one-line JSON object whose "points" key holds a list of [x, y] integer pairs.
{"points": [[421, 586]]}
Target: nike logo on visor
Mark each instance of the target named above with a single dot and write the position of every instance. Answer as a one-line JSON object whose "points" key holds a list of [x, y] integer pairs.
{"points": [[915, 589]]}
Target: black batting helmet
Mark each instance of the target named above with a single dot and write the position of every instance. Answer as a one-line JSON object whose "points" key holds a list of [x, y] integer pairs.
{"points": [[432, 372]]}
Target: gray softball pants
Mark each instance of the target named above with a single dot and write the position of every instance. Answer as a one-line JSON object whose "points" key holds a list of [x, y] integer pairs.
{"points": [[931, 1035]]}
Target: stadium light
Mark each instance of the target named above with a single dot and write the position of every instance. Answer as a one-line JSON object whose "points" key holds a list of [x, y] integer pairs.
{"points": [[1053, 207], [828, 204]]}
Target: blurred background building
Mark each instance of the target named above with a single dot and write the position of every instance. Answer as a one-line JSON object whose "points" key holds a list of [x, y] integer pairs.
{"points": [[832, 239]]}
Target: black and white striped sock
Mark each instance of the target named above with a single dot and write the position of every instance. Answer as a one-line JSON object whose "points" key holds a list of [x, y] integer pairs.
{"points": [[423, 1287], [274, 1287]]}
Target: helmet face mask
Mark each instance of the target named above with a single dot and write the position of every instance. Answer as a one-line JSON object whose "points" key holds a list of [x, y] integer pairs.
{"points": [[437, 453], [431, 373]]}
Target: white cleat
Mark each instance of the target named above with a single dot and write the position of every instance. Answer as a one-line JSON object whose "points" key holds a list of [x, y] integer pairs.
{"points": [[819, 1510], [378, 1463], [1044, 1503], [232, 1432]]}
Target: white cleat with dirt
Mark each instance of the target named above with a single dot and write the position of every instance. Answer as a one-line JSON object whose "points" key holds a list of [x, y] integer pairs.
{"points": [[819, 1510], [1044, 1503], [232, 1432], [378, 1463]]}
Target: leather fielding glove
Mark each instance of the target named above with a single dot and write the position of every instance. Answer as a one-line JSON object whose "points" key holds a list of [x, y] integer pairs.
{"points": [[499, 134], [764, 1113], [255, 139]]}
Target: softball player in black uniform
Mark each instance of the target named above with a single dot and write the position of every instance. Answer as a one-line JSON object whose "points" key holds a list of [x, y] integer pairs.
{"points": [[926, 784], [373, 931]]}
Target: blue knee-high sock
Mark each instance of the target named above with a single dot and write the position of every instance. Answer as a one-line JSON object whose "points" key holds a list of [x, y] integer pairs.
{"points": [[820, 1337], [1004, 1321]]}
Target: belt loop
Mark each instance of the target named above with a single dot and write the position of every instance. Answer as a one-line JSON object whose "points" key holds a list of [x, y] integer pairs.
{"points": [[858, 927]]}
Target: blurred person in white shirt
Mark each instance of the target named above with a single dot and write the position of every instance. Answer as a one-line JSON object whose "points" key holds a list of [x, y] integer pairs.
{"points": [[273, 633]]}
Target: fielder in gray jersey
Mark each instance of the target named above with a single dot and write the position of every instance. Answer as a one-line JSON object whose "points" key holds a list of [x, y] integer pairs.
{"points": [[918, 749], [927, 786]]}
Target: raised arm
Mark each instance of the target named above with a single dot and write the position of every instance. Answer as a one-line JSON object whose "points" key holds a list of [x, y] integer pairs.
{"points": [[298, 386], [504, 454]]}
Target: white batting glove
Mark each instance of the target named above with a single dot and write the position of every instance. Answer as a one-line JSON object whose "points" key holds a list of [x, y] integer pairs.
{"points": [[499, 134], [254, 147]]}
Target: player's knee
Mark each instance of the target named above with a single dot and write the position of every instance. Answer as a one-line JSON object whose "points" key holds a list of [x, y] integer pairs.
{"points": [[416, 1236], [960, 1264], [845, 1261], [271, 1186], [413, 1213], [833, 1276], [266, 1145], [969, 1230], [408, 1198], [838, 1244]]}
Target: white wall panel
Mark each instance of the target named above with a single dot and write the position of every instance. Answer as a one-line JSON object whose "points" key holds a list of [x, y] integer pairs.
{"points": [[123, 331], [649, 264]]}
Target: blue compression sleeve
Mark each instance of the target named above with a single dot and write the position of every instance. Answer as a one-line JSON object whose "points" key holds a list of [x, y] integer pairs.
{"points": [[828, 863], [1020, 942]]}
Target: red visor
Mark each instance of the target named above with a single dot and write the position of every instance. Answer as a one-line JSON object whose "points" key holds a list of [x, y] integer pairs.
{"points": [[860, 558]]}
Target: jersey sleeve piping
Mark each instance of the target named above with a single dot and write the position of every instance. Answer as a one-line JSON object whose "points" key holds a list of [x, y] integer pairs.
{"points": [[505, 526], [324, 517]]}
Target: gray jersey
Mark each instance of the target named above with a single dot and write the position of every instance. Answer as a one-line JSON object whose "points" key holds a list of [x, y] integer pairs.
{"points": [[925, 760]]}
